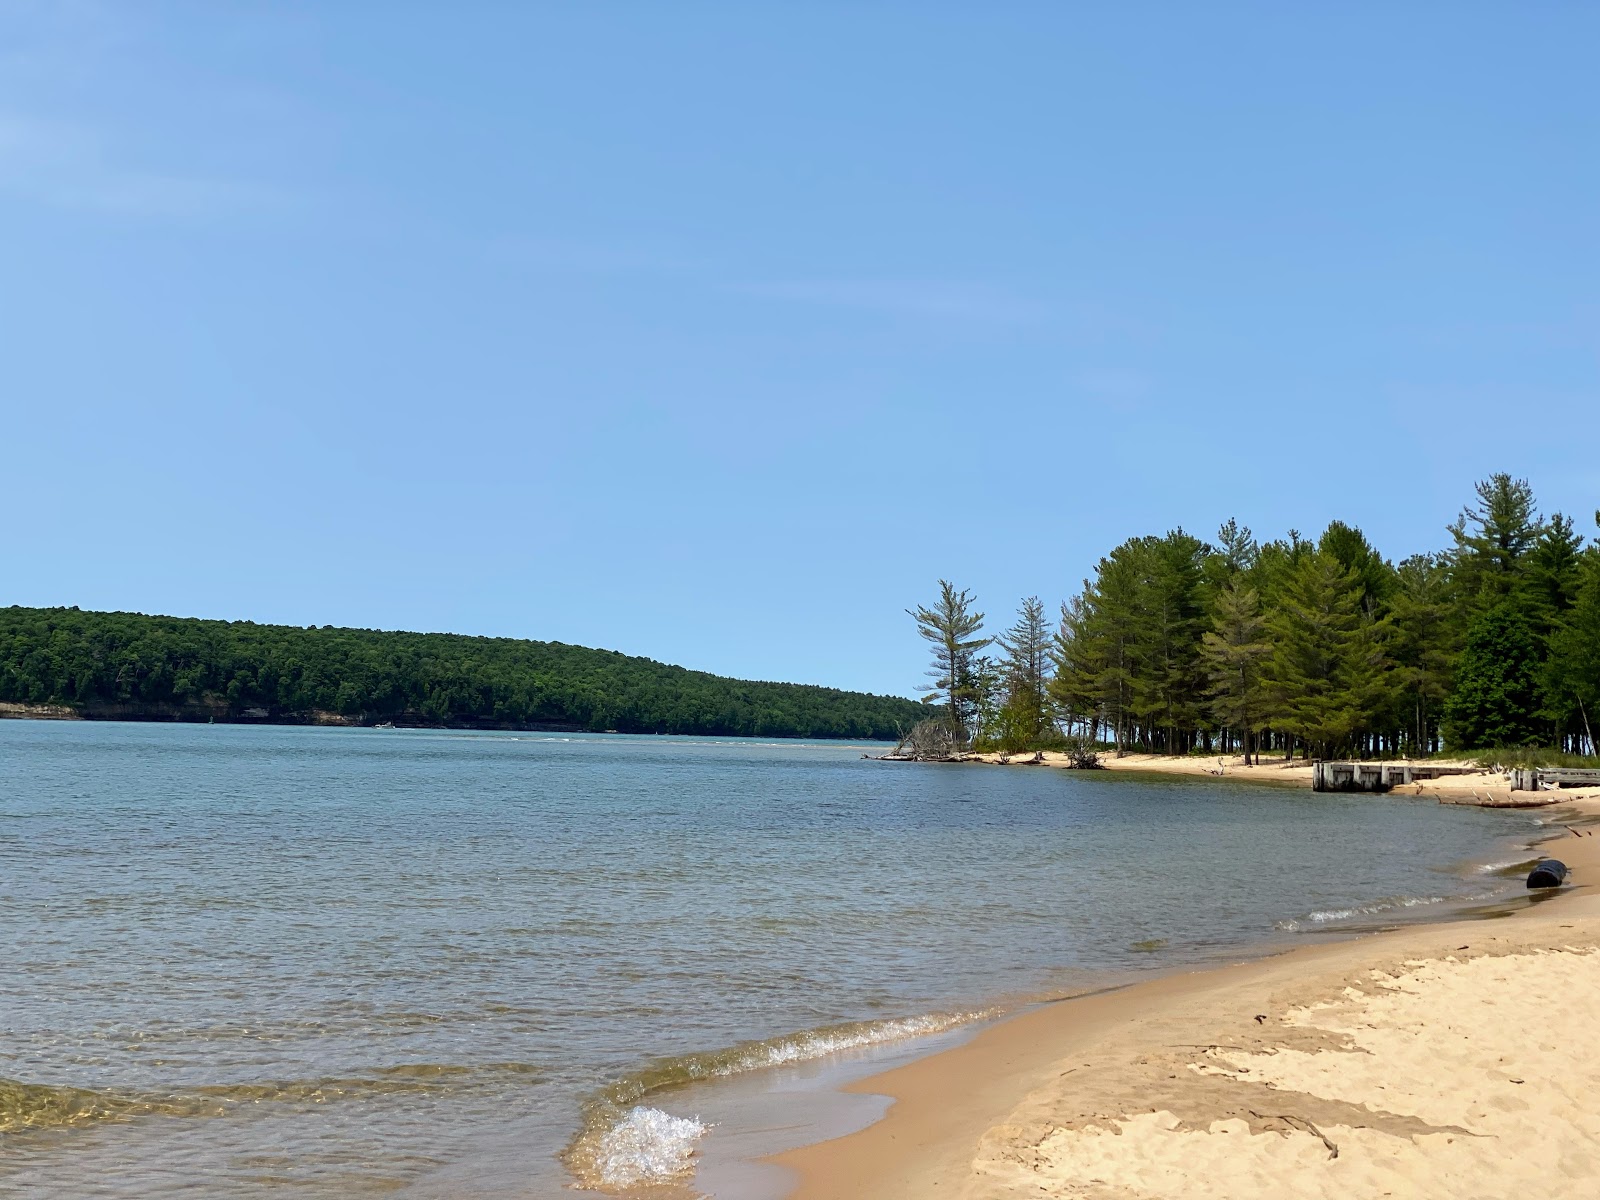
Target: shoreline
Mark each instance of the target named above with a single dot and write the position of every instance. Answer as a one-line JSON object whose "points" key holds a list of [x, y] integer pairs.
{"points": [[320, 719], [1222, 1077], [1483, 787]]}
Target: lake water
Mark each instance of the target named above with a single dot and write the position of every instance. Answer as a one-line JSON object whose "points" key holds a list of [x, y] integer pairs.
{"points": [[250, 962]]}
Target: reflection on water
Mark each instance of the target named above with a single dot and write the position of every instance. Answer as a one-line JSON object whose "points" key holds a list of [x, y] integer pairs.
{"points": [[344, 962]]}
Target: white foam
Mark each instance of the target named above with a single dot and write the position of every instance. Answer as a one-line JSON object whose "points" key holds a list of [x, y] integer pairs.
{"points": [[820, 1043], [647, 1146], [1491, 868], [1324, 916]]}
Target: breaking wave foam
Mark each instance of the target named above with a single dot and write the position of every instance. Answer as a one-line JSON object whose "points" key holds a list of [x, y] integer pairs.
{"points": [[646, 1146], [624, 1143], [1327, 915], [1514, 864]]}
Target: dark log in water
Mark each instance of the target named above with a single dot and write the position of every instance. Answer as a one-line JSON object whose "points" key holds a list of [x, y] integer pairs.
{"points": [[1548, 874]]}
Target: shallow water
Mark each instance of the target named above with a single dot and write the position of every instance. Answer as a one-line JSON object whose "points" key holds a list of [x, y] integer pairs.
{"points": [[255, 961]]}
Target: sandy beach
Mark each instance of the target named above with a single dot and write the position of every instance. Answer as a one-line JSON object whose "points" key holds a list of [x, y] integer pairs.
{"points": [[1479, 786], [1449, 1060]]}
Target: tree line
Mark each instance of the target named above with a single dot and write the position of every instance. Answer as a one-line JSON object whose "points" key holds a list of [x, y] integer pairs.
{"points": [[1318, 646], [134, 666]]}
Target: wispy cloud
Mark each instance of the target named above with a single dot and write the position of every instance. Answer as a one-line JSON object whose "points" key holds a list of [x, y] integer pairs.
{"points": [[912, 298], [71, 166]]}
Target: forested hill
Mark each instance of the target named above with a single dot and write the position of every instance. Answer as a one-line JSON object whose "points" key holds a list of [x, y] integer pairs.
{"points": [[127, 665]]}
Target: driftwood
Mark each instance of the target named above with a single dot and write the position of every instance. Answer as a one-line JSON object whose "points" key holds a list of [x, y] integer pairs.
{"points": [[1082, 756], [929, 741]]}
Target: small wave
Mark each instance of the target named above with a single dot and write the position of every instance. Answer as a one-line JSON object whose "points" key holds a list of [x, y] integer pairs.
{"points": [[1327, 915], [1513, 865], [33, 1106], [25, 1106], [647, 1146], [779, 1051], [612, 1117]]}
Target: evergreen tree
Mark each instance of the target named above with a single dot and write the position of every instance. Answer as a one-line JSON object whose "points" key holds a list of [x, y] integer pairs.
{"points": [[1073, 685], [1349, 547], [1235, 554], [1236, 547], [952, 627], [1026, 670], [1111, 629], [1572, 671], [1276, 562], [1495, 701], [1234, 651], [986, 685], [1424, 646], [1171, 679], [1325, 672], [1114, 628], [1553, 573], [1492, 542]]}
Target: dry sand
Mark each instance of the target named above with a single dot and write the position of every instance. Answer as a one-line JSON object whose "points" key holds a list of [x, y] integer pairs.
{"points": [[1454, 1061]]}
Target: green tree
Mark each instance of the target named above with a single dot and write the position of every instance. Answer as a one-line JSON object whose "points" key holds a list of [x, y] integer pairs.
{"points": [[1026, 671], [1572, 671], [1493, 539], [1073, 685], [952, 627], [1169, 684], [1234, 652], [1236, 554], [986, 687], [1424, 646], [1106, 652], [1327, 670], [1495, 701], [1349, 547], [1553, 570]]}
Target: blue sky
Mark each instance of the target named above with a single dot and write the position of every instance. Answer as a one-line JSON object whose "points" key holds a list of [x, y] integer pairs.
{"points": [[718, 333]]}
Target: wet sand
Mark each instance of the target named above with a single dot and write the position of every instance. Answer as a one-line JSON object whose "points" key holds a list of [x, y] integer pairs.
{"points": [[1442, 1060]]}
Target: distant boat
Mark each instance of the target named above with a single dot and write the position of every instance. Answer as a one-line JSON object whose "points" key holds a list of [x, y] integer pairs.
{"points": [[384, 725]]}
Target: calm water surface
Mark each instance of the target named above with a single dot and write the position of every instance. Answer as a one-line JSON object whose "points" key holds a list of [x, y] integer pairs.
{"points": [[244, 962]]}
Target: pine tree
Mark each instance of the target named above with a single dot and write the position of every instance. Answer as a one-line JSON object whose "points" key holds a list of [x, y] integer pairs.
{"points": [[1492, 542], [1424, 646], [1236, 547], [1110, 633], [1349, 547], [986, 687], [1026, 671], [1170, 681], [1572, 672], [1326, 669], [1553, 573], [952, 627], [1073, 688], [1495, 701], [1234, 651]]}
